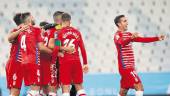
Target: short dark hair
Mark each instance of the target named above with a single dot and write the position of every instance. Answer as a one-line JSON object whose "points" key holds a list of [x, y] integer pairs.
{"points": [[43, 23], [57, 13], [25, 16], [66, 17], [18, 19], [117, 19]]}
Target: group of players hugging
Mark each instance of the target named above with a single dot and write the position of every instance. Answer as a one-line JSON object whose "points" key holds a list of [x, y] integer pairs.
{"points": [[46, 57]]}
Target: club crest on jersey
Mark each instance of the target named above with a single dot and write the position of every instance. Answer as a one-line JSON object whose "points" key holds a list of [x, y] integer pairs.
{"points": [[117, 37]]}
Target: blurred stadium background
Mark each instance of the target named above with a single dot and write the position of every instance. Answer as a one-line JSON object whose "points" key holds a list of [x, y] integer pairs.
{"points": [[95, 19]]}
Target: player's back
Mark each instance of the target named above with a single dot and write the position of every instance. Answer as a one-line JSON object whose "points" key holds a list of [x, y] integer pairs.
{"points": [[69, 36], [29, 45]]}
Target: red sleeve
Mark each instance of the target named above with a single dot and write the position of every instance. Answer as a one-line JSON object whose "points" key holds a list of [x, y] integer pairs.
{"points": [[83, 50], [60, 35], [13, 30], [51, 33], [38, 35], [146, 39], [54, 54], [118, 39]]}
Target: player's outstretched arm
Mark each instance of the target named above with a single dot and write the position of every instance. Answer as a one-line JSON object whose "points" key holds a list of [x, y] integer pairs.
{"points": [[13, 35], [149, 39], [43, 48], [47, 50], [51, 45], [162, 37]]}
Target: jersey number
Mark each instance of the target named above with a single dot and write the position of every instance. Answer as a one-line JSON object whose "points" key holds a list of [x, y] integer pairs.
{"points": [[23, 45], [46, 41], [69, 42], [134, 74]]}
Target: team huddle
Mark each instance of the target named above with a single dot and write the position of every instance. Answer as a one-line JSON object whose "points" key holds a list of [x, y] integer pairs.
{"points": [[47, 57]]}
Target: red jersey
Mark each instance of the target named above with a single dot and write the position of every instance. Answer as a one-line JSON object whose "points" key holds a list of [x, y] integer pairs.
{"points": [[28, 41], [46, 38], [72, 37], [123, 42], [15, 49], [54, 34]]}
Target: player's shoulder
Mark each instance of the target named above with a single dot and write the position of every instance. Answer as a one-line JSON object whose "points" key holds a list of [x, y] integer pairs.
{"points": [[36, 28], [117, 33], [52, 29], [121, 33], [64, 29], [14, 29], [129, 33], [69, 28], [73, 29]]}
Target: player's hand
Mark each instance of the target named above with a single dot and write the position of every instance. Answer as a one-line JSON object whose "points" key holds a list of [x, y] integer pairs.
{"points": [[161, 37], [135, 35], [60, 54], [70, 49], [24, 27], [85, 68]]}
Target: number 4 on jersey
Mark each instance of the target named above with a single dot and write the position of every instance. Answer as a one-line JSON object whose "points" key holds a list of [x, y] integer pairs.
{"points": [[23, 45]]}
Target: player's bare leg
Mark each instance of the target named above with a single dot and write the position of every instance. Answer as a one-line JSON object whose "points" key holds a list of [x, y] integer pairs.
{"points": [[44, 90], [66, 90], [14, 92], [123, 92], [34, 90], [139, 89], [80, 90], [52, 90]]}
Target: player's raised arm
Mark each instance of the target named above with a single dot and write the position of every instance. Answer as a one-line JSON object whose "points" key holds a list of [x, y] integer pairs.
{"points": [[13, 35], [43, 48], [47, 50], [51, 45], [148, 39]]}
